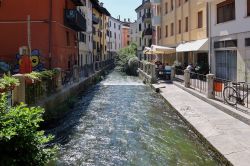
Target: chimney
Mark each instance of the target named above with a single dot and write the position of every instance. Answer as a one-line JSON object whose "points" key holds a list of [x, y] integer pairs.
{"points": [[125, 20], [128, 19], [119, 17], [101, 4]]}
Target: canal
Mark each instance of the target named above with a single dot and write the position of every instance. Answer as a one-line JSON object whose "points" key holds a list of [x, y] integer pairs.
{"points": [[120, 121]]}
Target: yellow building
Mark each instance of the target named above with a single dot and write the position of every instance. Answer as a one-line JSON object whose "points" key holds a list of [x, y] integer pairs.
{"points": [[184, 26], [100, 27]]}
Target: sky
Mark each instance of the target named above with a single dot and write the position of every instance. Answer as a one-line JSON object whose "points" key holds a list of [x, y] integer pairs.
{"points": [[124, 8]]}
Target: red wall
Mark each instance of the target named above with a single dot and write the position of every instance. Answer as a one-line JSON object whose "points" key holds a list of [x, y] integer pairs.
{"points": [[13, 30], [125, 39]]}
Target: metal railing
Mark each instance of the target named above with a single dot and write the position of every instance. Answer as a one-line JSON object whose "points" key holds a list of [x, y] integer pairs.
{"points": [[198, 82], [179, 74], [239, 92]]}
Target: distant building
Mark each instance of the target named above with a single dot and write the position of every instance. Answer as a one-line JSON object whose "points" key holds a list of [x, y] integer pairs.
{"points": [[125, 34], [85, 38], [100, 27], [146, 34], [114, 36]]}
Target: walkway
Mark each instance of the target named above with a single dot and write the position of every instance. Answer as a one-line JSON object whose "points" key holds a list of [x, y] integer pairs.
{"points": [[229, 136]]}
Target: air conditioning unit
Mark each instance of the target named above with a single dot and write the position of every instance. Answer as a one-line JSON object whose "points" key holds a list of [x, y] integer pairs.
{"points": [[24, 50]]}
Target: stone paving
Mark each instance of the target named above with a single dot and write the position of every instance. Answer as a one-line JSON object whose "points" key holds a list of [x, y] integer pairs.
{"points": [[228, 135]]}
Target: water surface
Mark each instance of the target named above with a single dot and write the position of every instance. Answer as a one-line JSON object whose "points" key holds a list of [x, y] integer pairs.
{"points": [[120, 121]]}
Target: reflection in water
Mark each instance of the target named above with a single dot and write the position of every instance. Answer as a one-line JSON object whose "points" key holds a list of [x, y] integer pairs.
{"points": [[123, 122]]}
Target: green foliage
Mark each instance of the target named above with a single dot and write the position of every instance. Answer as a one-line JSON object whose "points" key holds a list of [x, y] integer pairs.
{"points": [[8, 81], [39, 76], [124, 55], [21, 143]]}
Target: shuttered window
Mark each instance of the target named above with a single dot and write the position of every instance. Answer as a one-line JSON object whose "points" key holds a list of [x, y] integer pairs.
{"points": [[226, 11], [200, 19]]}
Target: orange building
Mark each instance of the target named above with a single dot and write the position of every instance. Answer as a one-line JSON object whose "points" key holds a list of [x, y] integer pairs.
{"points": [[54, 26], [125, 35]]}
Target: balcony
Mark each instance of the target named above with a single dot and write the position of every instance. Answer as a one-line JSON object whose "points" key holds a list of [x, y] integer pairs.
{"points": [[147, 32], [156, 21], [79, 2], [95, 19], [146, 17], [75, 20]]}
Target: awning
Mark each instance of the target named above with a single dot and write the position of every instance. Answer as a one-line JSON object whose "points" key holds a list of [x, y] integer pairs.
{"points": [[162, 50], [147, 50], [197, 45]]}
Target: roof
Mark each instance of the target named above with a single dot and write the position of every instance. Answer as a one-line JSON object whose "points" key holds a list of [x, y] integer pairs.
{"points": [[96, 5], [197, 45]]}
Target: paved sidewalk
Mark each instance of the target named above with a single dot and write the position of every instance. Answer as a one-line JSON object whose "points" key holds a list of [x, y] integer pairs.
{"points": [[229, 136]]}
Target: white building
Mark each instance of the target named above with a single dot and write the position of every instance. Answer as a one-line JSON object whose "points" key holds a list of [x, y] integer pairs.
{"points": [[114, 36], [85, 38], [230, 39], [134, 33], [144, 25]]}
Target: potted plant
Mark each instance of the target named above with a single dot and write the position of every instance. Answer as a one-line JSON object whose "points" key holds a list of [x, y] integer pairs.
{"points": [[2, 88], [32, 78], [10, 82]]}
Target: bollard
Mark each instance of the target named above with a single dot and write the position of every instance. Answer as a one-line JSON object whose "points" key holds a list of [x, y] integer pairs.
{"points": [[153, 73], [172, 73], [210, 86], [18, 95], [76, 73], [58, 79], [187, 78]]}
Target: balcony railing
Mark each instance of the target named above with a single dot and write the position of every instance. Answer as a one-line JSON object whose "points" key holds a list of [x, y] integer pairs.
{"points": [[95, 19], [79, 2], [147, 32], [146, 16], [75, 20]]}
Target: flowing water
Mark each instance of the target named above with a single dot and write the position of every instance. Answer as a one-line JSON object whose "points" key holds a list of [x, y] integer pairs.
{"points": [[120, 121]]}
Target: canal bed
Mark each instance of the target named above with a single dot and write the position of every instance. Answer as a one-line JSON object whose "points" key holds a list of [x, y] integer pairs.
{"points": [[121, 121]]}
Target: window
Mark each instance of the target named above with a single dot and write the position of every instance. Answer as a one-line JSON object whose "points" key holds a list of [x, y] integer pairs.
{"points": [[200, 19], [166, 31], [226, 11], [179, 26], [248, 7], [166, 7], [186, 25], [172, 5], [247, 42], [225, 44], [67, 38], [139, 27], [179, 2], [172, 29]]}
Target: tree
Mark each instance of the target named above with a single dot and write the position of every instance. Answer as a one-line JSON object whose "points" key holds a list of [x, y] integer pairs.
{"points": [[21, 143], [124, 56]]}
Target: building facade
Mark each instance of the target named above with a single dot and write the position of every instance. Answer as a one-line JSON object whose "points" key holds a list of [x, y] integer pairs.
{"points": [[184, 27], [230, 39], [53, 31], [85, 55], [100, 27], [146, 32], [114, 36], [125, 34]]}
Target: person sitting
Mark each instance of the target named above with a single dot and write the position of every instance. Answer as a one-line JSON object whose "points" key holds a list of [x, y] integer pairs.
{"points": [[168, 71]]}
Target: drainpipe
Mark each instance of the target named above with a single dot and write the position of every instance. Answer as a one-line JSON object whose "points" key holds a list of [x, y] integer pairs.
{"points": [[50, 33], [209, 35]]}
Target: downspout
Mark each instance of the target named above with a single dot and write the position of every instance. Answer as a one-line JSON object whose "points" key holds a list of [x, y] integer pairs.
{"points": [[209, 35], [50, 33]]}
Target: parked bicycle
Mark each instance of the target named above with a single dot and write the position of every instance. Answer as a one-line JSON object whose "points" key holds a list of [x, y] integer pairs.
{"points": [[236, 93]]}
